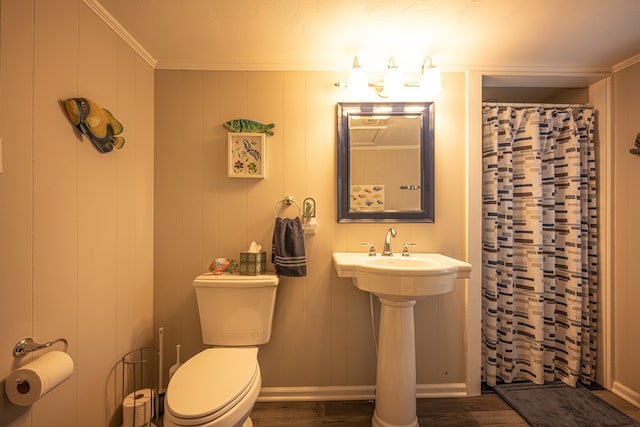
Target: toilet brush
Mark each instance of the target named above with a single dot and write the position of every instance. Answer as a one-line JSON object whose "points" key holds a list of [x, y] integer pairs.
{"points": [[174, 367], [161, 389]]}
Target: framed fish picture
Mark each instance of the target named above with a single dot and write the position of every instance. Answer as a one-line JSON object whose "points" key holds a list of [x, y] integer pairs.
{"points": [[246, 155]]}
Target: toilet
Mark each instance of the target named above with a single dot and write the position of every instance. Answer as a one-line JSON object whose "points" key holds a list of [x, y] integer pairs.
{"points": [[220, 385]]}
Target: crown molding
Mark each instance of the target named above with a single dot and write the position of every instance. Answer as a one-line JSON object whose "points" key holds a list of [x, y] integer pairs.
{"points": [[626, 63], [108, 19], [191, 66]]}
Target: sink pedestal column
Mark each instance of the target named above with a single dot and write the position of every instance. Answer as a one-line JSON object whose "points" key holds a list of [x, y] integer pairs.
{"points": [[396, 368]]}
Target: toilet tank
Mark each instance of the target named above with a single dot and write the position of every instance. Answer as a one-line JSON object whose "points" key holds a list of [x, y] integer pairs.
{"points": [[236, 310]]}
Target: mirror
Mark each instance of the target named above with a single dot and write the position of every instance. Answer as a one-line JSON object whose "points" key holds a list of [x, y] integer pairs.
{"points": [[385, 162]]}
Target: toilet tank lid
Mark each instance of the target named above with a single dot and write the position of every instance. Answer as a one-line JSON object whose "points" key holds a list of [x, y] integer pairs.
{"points": [[224, 280]]}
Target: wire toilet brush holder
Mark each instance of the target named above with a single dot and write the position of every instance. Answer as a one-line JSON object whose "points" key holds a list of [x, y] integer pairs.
{"points": [[139, 395]]}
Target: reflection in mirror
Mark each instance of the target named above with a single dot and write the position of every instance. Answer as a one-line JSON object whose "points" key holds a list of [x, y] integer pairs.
{"points": [[385, 162]]}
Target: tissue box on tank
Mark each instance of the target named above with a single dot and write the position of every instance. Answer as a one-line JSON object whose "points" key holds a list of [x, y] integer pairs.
{"points": [[252, 264]]}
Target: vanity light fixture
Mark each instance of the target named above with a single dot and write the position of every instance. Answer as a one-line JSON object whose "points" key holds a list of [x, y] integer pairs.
{"points": [[393, 85]]}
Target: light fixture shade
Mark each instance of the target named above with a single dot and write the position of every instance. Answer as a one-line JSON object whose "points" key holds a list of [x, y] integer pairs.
{"points": [[393, 84], [431, 81], [357, 83]]}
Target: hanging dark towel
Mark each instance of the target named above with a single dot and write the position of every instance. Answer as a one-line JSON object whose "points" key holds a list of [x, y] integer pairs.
{"points": [[288, 254]]}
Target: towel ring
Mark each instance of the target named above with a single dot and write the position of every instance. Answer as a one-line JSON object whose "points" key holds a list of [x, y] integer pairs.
{"points": [[288, 200]]}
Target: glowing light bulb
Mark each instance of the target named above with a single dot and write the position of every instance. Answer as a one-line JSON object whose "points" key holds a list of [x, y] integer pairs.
{"points": [[431, 80], [357, 84], [393, 85]]}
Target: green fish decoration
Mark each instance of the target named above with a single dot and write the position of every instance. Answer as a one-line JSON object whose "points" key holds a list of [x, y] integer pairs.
{"points": [[246, 125], [96, 123]]}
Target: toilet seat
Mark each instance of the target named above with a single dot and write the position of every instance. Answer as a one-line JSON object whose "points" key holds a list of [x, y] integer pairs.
{"points": [[211, 384]]}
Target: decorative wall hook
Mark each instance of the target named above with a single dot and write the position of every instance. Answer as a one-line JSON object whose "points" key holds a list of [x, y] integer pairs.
{"points": [[309, 224], [636, 150], [309, 208]]}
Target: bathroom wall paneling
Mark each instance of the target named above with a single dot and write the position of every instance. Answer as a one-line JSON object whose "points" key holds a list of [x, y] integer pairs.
{"points": [[55, 265], [626, 316], [322, 329], [96, 273], [16, 187], [192, 219], [76, 224]]}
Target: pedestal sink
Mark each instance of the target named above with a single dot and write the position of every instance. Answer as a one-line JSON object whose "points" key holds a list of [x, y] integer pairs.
{"points": [[398, 282]]}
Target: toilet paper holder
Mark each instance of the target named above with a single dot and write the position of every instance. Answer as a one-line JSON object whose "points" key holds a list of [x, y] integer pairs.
{"points": [[27, 345]]}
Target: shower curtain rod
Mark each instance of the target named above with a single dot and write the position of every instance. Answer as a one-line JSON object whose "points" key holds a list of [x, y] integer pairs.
{"points": [[533, 105]]}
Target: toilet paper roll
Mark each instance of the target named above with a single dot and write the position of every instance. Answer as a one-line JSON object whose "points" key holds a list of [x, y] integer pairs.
{"points": [[136, 408], [35, 379]]}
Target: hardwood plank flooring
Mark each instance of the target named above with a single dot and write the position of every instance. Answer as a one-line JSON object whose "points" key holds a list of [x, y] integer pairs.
{"points": [[485, 410]]}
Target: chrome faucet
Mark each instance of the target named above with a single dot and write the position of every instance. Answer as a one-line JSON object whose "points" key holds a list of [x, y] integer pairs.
{"points": [[387, 242]]}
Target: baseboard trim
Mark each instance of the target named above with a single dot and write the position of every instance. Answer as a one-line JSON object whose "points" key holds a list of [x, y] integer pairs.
{"points": [[368, 392], [626, 393], [293, 394], [441, 390]]}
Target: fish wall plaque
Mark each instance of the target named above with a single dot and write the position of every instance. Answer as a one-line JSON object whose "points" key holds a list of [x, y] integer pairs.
{"points": [[96, 123], [246, 125]]}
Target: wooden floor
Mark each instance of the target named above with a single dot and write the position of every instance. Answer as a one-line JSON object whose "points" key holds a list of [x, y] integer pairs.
{"points": [[486, 410]]}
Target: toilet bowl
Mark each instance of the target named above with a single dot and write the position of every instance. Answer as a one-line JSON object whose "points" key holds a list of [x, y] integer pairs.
{"points": [[216, 387]]}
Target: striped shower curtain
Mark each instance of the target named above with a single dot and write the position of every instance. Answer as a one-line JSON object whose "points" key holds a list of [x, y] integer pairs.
{"points": [[539, 244]]}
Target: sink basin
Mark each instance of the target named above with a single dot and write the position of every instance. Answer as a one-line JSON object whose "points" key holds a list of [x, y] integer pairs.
{"points": [[397, 277], [398, 282]]}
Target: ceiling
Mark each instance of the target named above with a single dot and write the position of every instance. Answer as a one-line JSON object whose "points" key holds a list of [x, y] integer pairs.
{"points": [[542, 36]]}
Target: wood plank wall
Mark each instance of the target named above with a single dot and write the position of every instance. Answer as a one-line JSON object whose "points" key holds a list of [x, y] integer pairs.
{"points": [[322, 331], [76, 226]]}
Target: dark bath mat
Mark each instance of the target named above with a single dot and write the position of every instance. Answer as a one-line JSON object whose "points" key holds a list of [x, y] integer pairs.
{"points": [[558, 405]]}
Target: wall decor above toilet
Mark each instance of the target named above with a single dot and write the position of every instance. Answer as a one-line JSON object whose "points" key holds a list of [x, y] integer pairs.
{"points": [[246, 153], [246, 125]]}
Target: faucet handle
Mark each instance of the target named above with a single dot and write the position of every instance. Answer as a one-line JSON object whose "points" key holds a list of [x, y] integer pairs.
{"points": [[405, 248], [372, 247]]}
